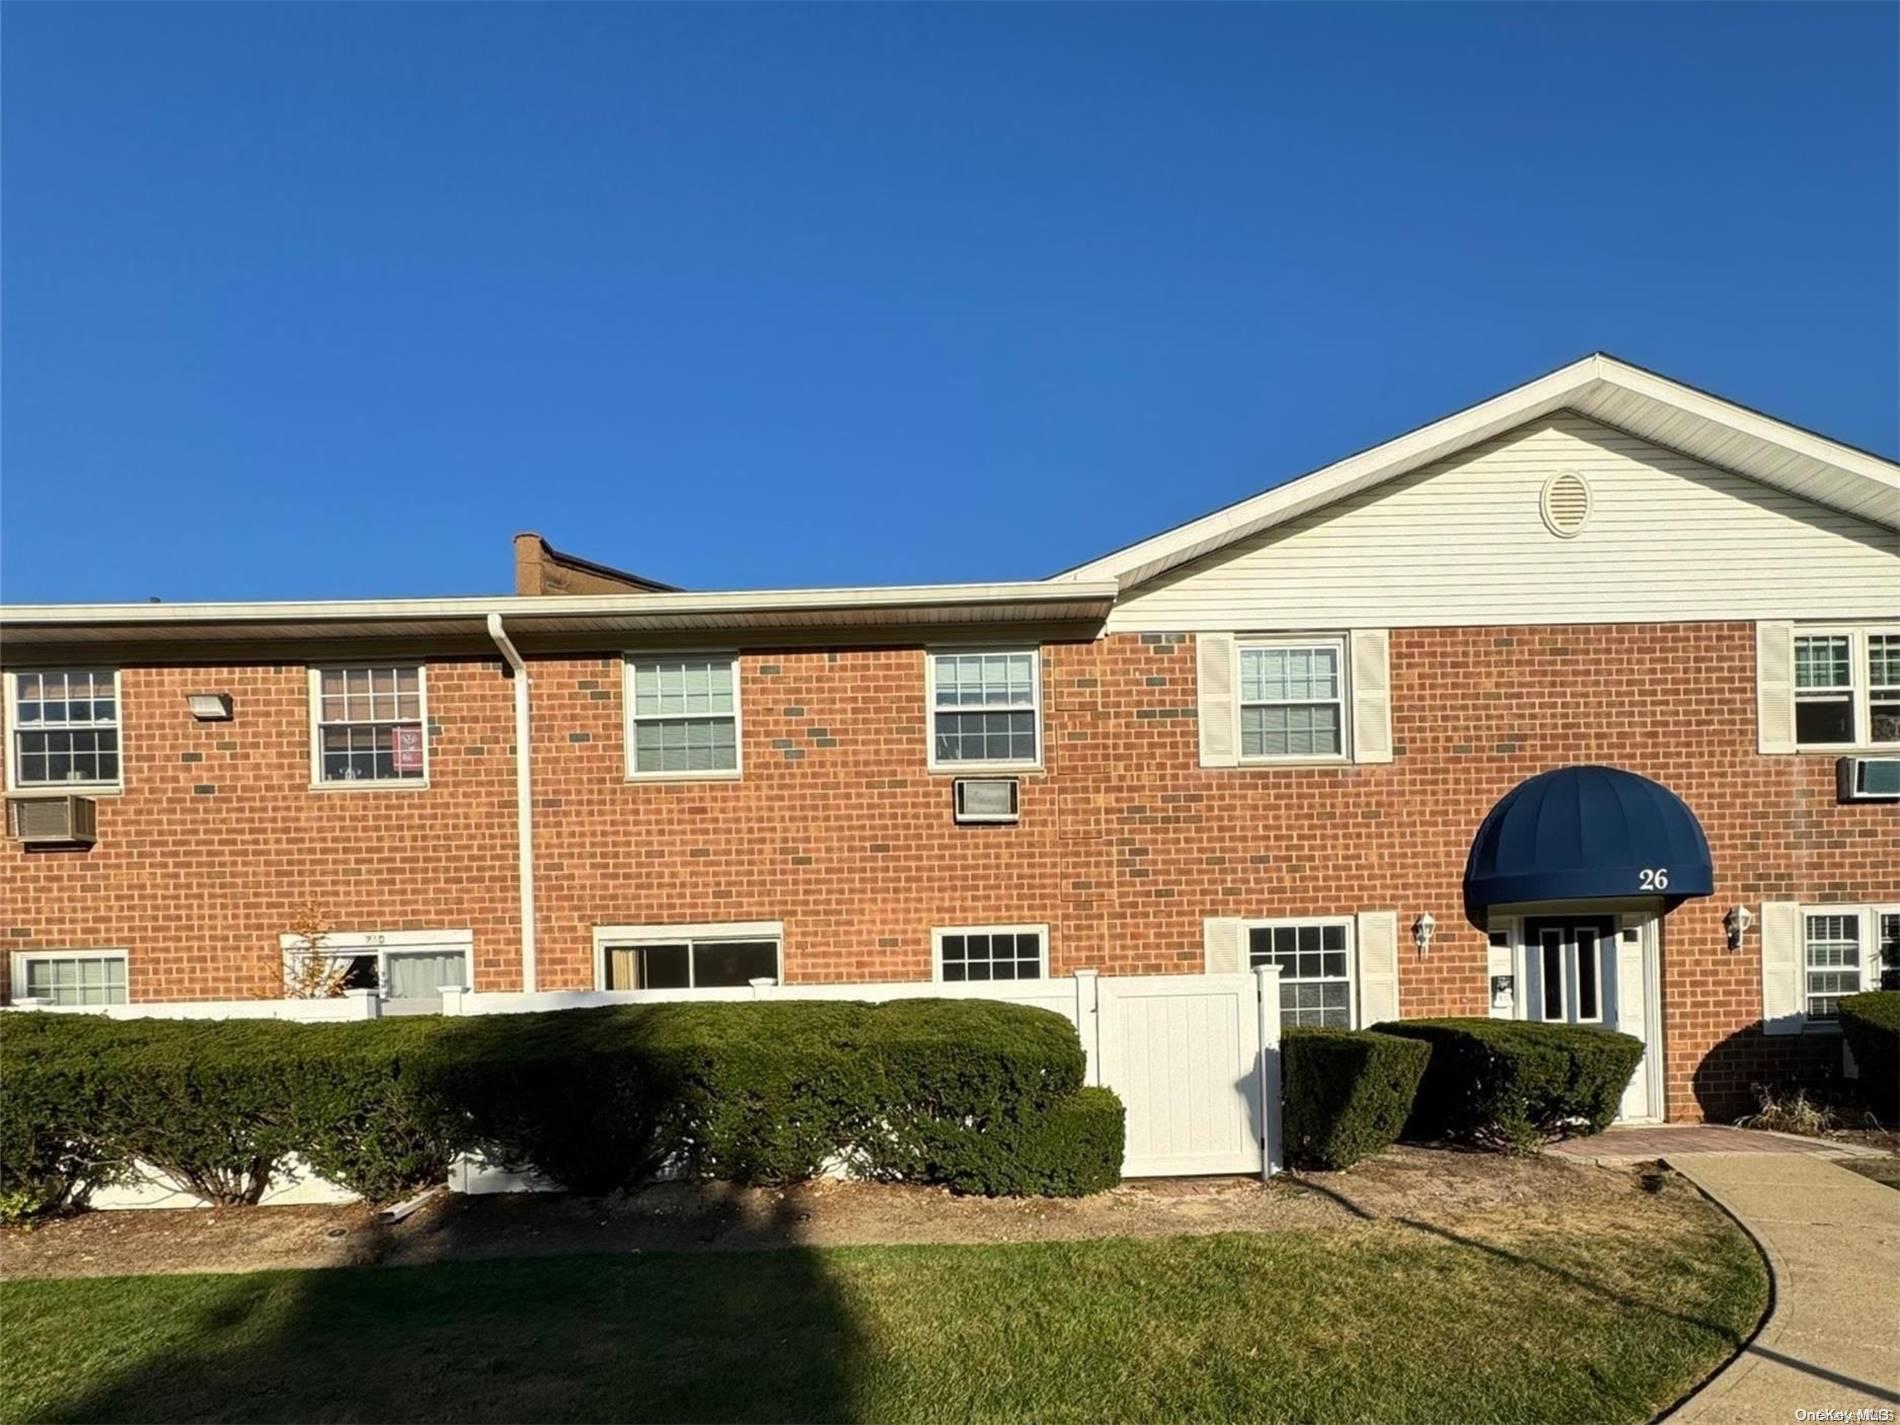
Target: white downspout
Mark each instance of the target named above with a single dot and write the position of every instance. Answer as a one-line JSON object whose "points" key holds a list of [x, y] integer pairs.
{"points": [[524, 798]]}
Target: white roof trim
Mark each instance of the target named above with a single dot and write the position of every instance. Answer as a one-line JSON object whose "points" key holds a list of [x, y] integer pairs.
{"points": [[557, 605], [1706, 427]]}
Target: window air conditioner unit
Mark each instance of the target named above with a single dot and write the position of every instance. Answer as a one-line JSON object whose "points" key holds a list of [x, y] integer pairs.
{"points": [[1868, 779], [985, 799], [53, 821]]}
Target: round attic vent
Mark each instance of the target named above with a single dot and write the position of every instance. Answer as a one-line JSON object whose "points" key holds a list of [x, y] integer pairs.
{"points": [[1566, 504]]}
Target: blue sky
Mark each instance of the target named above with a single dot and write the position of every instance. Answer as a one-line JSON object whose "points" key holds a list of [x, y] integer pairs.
{"points": [[327, 301]]}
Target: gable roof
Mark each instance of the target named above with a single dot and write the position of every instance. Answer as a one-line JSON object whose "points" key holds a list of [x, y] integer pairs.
{"points": [[1600, 386]]}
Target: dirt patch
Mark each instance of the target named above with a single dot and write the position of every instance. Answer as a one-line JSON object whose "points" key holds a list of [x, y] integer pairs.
{"points": [[1500, 1198]]}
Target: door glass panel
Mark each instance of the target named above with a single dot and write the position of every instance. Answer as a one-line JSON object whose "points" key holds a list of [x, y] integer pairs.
{"points": [[1553, 977], [1589, 971]]}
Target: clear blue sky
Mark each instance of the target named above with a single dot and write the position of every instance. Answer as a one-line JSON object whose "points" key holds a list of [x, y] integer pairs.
{"points": [[327, 301]]}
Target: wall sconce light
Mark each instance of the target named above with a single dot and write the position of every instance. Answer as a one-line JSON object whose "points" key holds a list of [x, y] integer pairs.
{"points": [[1737, 922], [209, 707], [1422, 929]]}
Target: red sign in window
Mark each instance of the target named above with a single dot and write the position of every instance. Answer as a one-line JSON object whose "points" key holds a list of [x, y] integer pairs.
{"points": [[408, 748]]}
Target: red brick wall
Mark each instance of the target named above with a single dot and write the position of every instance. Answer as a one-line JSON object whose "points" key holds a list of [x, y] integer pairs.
{"points": [[203, 860], [838, 830]]}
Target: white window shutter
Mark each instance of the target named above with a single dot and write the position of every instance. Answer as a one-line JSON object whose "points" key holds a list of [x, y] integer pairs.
{"points": [[1371, 695], [1774, 686], [1214, 668], [1378, 967], [1221, 942], [1783, 1010]]}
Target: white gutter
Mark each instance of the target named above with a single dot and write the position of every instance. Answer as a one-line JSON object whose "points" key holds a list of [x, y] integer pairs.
{"points": [[529, 607], [524, 798]]}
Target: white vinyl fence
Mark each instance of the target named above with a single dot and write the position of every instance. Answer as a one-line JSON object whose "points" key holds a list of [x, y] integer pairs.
{"points": [[1195, 1059]]}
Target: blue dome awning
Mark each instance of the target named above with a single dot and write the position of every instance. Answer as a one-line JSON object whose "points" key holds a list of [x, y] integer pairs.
{"points": [[1586, 833]]}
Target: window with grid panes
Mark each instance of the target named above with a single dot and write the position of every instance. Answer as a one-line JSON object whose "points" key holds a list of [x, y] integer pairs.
{"points": [[1834, 962], [66, 728], [369, 724], [964, 956], [1315, 964], [984, 708], [1883, 686], [73, 979], [1824, 690], [683, 715], [1292, 700]]}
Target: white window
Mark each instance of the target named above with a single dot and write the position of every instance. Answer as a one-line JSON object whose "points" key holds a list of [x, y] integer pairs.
{"points": [[369, 726], [65, 725], [1293, 700], [985, 708], [1315, 960], [967, 954], [1843, 949], [407, 968], [682, 715], [1847, 687], [688, 957], [70, 977]]}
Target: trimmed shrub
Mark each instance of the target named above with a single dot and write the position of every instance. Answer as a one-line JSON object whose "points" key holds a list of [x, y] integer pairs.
{"points": [[981, 1096], [1347, 1093], [1515, 1084], [1870, 1023], [51, 1155]]}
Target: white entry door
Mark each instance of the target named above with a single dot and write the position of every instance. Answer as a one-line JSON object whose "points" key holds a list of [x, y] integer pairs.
{"points": [[1580, 969], [1183, 1052]]}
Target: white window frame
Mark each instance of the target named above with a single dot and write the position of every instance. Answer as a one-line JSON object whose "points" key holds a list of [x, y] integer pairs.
{"points": [[1870, 962], [937, 933], [952, 650], [1341, 646], [1859, 686], [352, 944], [21, 958], [383, 784], [630, 717], [623, 937], [15, 727], [1351, 925]]}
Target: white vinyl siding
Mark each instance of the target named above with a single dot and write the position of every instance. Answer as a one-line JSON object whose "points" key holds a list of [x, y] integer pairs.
{"points": [[1463, 542], [682, 715], [985, 708], [70, 977], [64, 729]]}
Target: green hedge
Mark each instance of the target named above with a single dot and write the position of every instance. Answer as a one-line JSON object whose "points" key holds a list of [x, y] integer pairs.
{"points": [[1513, 1084], [1870, 1023], [1347, 1093], [981, 1096]]}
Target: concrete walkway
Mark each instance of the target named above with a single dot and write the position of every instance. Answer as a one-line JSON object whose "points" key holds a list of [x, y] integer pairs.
{"points": [[1832, 1239], [1647, 1142]]}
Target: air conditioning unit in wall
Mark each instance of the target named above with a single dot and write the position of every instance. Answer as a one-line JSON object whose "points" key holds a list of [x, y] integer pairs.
{"points": [[53, 821], [1867, 779], [985, 799]]}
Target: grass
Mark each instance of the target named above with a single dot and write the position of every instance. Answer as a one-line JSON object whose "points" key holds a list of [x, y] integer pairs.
{"points": [[1377, 1323]]}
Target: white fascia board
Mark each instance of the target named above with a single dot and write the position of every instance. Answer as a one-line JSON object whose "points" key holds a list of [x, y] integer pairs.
{"points": [[523, 610]]}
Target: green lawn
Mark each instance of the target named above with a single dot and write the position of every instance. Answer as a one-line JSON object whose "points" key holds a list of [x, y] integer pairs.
{"points": [[1380, 1323]]}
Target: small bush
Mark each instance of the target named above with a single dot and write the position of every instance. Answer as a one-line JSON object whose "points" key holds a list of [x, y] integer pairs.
{"points": [[1789, 1112], [1347, 1093], [1870, 1023], [1513, 1084], [51, 1155]]}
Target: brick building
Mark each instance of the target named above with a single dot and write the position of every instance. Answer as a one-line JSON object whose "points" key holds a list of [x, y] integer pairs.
{"points": [[1271, 734]]}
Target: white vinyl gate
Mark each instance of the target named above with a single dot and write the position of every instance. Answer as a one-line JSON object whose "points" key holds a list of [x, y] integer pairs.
{"points": [[1195, 1058]]}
